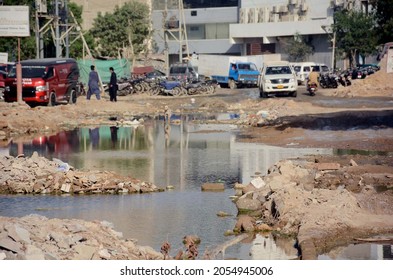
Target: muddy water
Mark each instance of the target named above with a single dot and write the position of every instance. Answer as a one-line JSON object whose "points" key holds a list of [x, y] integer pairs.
{"points": [[184, 155]]}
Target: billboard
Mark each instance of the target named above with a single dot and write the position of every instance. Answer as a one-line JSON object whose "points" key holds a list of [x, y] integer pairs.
{"points": [[3, 57], [14, 21]]}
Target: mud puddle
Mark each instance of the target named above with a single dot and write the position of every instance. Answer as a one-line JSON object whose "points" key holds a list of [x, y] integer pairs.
{"points": [[184, 154]]}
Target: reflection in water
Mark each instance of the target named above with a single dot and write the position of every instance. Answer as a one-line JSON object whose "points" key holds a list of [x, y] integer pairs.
{"points": [[94, 137], [114, 130], [365, 251], [183, 154]]}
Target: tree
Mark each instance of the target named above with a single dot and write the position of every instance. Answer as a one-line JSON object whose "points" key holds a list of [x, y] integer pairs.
{"points": [[126, 28], [28, 44], [384, 18], [297, 49], [355, 34]]}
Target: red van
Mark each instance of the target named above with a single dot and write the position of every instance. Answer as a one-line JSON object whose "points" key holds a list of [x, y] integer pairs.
{"points": [[45, 81]]}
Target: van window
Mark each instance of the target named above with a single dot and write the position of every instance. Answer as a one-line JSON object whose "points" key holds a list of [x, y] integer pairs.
{"points": [[325, 68], [277, 70], [29, 71], [307, 69], [297, 68], [49, 73]]}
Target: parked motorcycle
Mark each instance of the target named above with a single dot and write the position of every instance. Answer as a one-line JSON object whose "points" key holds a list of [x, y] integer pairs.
{"points": [[328, 81], [359, 73], [343, 78]]}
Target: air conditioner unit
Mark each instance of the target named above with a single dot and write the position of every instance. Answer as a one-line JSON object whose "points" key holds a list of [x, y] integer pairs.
{"points": [[274, 18], [252, 15], [338, 3], [259, 14], [243, 15], [294, 17], [41, 6], [283, 9]]}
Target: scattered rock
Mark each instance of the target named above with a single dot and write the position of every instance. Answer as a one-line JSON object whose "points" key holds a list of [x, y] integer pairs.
{"points": [[213, 187], [56, 239], [40, 175]]}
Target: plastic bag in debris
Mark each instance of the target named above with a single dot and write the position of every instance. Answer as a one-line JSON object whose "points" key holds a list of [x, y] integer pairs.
{"points": [[63, 166]]}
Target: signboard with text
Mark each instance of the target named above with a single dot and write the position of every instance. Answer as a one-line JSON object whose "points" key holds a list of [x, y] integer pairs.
{"points": [[14, 21]]}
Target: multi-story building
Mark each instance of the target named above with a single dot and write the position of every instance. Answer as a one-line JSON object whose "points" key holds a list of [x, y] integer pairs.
{"points": [[207, 25], [249, 27]]}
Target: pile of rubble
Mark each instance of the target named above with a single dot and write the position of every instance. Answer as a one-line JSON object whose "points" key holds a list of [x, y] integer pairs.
{"points": [[36, 237], [38, 175], [302, 199]]}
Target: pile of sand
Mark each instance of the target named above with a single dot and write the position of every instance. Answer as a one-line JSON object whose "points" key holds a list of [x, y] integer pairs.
{"points": [[377, 84]]}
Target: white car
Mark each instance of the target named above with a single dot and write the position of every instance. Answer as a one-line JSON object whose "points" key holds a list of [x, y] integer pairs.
{"points": [[277, 78]]}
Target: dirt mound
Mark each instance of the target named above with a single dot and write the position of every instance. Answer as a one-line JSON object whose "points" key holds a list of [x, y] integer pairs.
{"points": [[320, 201], [378, 84]]}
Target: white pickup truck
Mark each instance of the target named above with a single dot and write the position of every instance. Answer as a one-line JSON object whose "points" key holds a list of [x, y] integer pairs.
{"points": [[277, 77]]}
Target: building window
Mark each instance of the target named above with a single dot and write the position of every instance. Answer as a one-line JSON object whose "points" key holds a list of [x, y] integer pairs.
{"points": [[194, 13], [217, 31], [196, 32], [258, 48]]}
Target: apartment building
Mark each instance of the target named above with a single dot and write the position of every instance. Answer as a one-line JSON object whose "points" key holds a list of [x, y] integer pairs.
{"points": [[249, 27], [207, 26]]}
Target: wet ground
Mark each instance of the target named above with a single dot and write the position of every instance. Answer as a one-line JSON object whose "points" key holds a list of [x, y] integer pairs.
{"points": [[186, 155]]}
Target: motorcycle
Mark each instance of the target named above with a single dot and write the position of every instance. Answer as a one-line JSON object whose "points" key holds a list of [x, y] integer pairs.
{"points": [[312, 88], [343, 79], [328, 81]]}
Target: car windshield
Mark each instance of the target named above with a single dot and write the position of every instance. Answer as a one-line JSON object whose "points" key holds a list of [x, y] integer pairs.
{"points": [[29, 71], [278, 70], [247, 67]]}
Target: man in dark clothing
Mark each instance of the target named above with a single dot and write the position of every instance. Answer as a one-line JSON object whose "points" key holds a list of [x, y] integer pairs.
{"points": [[113, 85], [94, 80]]}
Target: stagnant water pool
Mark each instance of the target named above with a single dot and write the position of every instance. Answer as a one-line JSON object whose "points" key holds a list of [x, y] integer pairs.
{"points": [[184, 155]]}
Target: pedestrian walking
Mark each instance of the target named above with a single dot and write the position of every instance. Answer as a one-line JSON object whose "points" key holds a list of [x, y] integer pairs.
{"points": [[94, 80], [113, 86]]}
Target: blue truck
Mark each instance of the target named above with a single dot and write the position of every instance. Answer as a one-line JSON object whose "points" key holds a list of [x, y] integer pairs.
{"points": [[231, 71]]}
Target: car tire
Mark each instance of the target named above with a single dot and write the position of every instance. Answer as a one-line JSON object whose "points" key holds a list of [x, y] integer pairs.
{"points": [[52, 99], [232, 84], [294, 94], [73, 97], [262, 94]]}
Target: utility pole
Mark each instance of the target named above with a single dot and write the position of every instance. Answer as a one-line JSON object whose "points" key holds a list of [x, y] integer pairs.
{"points": [[171, 27], [57, 30], [67, 39]]}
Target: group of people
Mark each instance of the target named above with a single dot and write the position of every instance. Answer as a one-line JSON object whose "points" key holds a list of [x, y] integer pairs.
{"points": [[94, 87]]}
